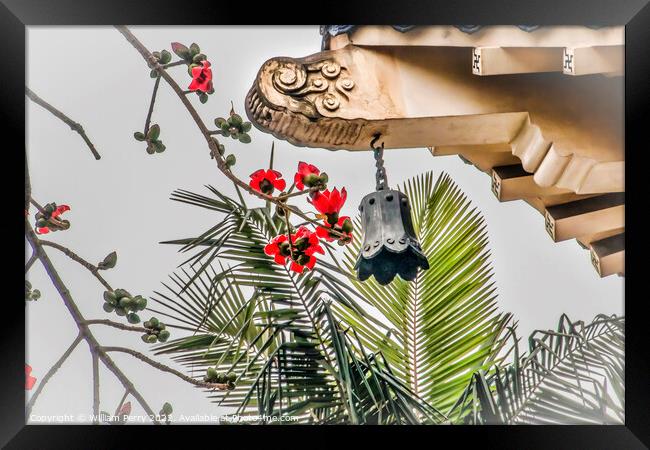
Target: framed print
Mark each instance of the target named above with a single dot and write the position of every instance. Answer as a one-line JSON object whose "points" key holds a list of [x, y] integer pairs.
{"points": [[379, 227]]}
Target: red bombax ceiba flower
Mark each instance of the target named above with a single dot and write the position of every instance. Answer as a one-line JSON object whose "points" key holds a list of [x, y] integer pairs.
{"points": [[344, 226], [306, 174], [304, 243], [266, 181], [329, 203], [45, 222], [30, 381], [201, 78]]}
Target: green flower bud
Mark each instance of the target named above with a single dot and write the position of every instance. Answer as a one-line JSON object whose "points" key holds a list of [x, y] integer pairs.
{"points": [[324, 178], [231, 160], [231, 377], [146, 324], [165, 57], [235, 120], [161, 326], [141, 303], [159, 147], [154, 322], [151, 149], [153, 73], [145, 338], [195, 49], [125, 302], [120, 311], [119, 293], [311, 180], [211, 373], [151, 339], [109, 296], [198, 57], [203, 97], [347, 226], [133, 318], [108, 307], [220, 122], [154, 132], [163, 336], [244, 138], [246, 127], [139, 136]]}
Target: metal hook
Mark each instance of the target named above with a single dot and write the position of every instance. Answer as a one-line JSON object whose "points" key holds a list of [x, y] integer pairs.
{"points": [[375, 138]]}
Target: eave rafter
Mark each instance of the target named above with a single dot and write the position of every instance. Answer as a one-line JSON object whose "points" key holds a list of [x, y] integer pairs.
{"points": [[544, 137]]}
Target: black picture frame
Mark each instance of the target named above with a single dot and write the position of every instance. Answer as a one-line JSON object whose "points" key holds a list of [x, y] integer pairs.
{"points": [[15, 15]]}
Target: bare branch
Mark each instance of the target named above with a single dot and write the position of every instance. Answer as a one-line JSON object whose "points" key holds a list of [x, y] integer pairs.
{"points": [[95, 388], [72, 255], [110, 323], [151, 105], [50, 373], [68, 121], [30, 262], [164, 368]]}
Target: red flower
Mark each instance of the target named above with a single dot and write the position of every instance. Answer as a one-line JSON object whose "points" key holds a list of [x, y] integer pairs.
{"points": [[329, 203], [341, 226], [265, 181], [304, 243], [273, 249], [201, 78], [304, 170], [53, 220], [30, 381]]}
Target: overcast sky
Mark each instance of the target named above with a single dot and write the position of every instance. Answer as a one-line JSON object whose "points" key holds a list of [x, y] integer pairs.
{"points": [[122, 201]]}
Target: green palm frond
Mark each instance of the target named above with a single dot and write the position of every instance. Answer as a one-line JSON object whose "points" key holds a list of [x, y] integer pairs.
{"points": [[271, 328], [574, 375], [442, 327]]}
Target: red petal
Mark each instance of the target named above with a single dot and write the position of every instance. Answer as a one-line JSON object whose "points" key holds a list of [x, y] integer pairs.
{"points": [[280, 184], [312, 262], [296, 267], [43, 230], [271, 248], [255, 184], [297, 179], [258, 174], [194, 85], [280, 259], [30, 381]]}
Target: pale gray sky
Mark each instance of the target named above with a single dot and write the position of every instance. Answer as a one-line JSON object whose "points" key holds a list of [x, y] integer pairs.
{"points": [[122, 201]]}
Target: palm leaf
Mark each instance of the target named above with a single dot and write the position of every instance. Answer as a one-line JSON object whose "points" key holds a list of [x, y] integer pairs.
{"points": [[442, 327], [574, 375]]}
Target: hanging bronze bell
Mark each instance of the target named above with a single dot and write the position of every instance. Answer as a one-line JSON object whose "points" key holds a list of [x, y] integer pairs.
{"points": [[390, 246]]}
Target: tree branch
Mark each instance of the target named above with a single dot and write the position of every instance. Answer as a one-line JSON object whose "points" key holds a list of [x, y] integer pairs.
{"points": [[72, 255], [79, 319], [95, 388], [30, 262], [164, 368], [68, 121], [152, 62], [110, 323], [153, 101], [50, 373]]}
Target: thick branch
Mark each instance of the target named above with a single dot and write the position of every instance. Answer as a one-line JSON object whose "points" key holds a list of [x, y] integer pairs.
{"points": [[30, 262], [164, 368], [50, 373], [72, 255], [79, 319], [221, 162], [68, 121]]}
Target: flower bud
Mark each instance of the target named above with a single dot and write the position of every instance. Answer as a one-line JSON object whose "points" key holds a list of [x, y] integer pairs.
{"points": [[133, 318], [163, 335], [120, 311], [125, 302], [311, 180], [211, 373], [324, 178], [108, 307], [347, 226], [231, 377], [151, 339], [154, 322]]}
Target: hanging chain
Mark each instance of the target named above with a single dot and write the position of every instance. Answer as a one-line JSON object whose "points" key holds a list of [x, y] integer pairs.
{"points": [[380, 176]]}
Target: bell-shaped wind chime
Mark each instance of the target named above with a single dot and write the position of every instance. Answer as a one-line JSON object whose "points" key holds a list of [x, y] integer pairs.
{"points": [[390, 246]]}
